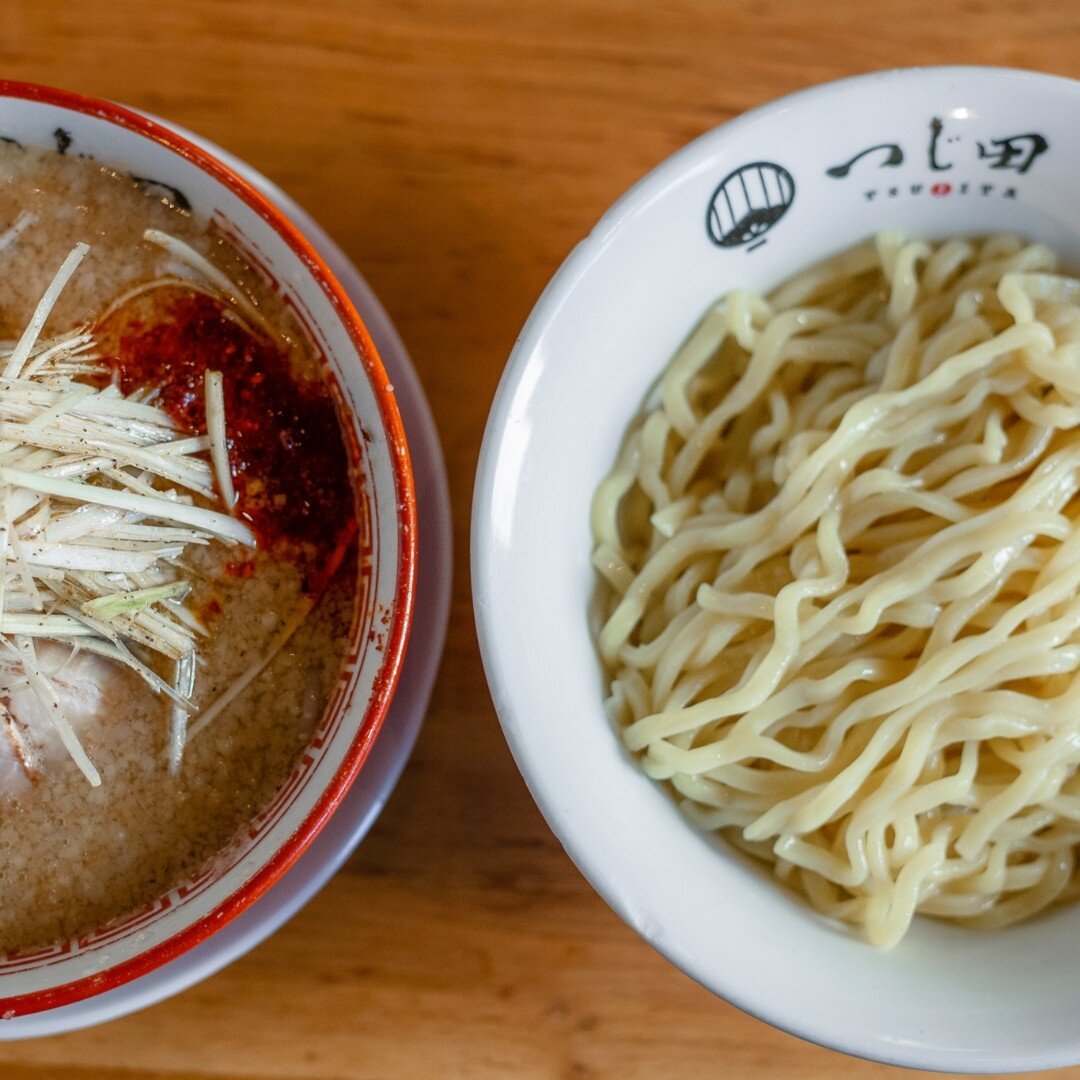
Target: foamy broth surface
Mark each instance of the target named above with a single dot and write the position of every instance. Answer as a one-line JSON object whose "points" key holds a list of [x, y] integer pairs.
{"points": [[71, 856]]}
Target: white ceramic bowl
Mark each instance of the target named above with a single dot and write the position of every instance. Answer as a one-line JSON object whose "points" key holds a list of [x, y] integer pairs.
{"points": [[141, 942], [958, 150]]}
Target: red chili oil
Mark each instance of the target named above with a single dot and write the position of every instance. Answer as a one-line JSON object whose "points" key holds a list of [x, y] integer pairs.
{"points": [[286, 450]]}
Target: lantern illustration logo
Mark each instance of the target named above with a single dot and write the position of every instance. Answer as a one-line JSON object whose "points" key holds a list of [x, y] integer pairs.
{"points": [[748, 203]]}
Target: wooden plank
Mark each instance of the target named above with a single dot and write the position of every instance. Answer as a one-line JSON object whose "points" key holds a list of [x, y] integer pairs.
{"points": [[458, 149]]}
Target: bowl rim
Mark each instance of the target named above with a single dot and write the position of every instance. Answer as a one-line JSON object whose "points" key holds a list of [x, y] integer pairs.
{"points": [[494, 645], [397, 633]]}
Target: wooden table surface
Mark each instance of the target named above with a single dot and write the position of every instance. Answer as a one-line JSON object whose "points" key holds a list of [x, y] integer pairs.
{"points": [[457, 149]]}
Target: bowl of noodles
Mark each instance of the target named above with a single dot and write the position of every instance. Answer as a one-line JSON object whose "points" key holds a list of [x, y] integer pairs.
{"points": [[207, 522], [777, 564]]}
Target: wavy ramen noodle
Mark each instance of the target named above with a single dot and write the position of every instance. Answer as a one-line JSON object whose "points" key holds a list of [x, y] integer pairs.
{"points": [[840, 573]]}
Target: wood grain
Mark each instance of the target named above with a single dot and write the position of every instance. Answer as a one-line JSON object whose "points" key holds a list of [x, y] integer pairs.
{"points": [[458, 149]]}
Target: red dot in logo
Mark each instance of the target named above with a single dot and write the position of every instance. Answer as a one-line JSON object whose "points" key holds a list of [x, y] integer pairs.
{"points": [[941, 189]]}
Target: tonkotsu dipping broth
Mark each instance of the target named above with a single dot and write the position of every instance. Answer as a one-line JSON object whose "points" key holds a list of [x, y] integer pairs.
{"points": [[179, 536]]}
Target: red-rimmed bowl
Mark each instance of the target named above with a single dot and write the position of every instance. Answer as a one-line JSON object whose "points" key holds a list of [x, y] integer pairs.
{"points": [[144, 940]]}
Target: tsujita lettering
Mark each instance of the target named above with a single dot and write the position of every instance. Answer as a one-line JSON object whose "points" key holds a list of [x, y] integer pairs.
{"points": [[1014, 152], [939, 190], [894, 156]]}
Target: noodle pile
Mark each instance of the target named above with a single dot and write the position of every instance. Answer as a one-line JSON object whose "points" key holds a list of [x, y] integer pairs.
{"points": [[840, 585]]}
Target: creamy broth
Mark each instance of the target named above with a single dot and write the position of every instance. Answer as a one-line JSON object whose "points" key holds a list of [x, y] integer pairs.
{"points": [[72, 856]]}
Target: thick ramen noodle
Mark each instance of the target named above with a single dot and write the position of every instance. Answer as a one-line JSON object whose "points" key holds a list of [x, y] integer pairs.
{"points": [[159, 674], [840, 581]]}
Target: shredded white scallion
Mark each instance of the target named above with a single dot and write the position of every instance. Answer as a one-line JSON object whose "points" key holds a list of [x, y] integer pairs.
{"points": [[277, 643], [163, 508], [215, 428], [101, 495], [184, 685], [25, 345], [16, 229], [187, 255]]}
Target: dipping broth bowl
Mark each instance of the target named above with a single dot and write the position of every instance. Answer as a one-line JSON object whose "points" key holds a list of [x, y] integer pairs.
{"points": [[146, 939]]}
